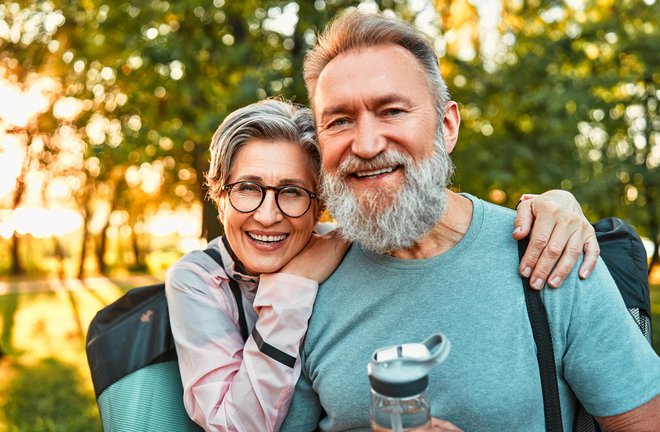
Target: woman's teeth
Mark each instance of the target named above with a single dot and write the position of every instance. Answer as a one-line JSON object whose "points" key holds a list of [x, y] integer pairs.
{"points": [[267, 238]]}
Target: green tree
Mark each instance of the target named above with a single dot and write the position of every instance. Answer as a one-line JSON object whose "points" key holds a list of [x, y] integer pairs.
{"points": [[571, 103]]}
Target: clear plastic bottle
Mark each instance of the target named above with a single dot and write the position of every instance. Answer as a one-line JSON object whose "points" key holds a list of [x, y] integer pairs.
{"points": [[398, 414], [399, 382]]}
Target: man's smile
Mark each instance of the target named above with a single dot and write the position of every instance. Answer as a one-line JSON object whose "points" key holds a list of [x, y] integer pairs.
{"points": [[374, 173]]}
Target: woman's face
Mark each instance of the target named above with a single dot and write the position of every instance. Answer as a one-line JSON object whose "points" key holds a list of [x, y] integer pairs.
{"points": [[265, 240]]}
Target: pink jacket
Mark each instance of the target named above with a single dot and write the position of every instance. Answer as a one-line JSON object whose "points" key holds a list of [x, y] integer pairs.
{"points": [[228, 385]]}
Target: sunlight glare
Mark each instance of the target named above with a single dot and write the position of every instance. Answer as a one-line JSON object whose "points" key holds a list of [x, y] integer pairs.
{"points": [[11, 160], [190, 244], [25, 106], [169, 223], [68, 108], [32, 220], [282, 20]]}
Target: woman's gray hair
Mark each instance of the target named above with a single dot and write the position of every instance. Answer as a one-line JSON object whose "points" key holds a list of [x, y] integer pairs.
{"points": [[268, 120], [355, 30]]}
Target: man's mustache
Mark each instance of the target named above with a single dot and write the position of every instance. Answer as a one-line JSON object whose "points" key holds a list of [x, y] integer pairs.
{"points": [[354, 164]]}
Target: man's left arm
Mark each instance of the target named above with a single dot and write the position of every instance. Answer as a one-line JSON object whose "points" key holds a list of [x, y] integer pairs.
{"points": [[560, 233], [605, 359], [645, 418]]}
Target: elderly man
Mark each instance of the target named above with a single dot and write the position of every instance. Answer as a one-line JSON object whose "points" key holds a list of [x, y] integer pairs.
{"points": [[426, 259]]}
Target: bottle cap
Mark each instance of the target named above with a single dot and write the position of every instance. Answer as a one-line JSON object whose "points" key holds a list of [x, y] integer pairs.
{"points": [[402, 370]]}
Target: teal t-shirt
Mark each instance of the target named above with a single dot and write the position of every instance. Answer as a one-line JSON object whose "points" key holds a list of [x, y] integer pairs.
{"points": [[472, 294]]}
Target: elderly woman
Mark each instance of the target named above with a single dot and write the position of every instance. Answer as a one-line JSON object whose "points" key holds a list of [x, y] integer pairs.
{"points": [[264, 176]]}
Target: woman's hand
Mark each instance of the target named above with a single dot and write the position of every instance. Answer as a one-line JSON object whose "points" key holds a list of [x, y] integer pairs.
{"points": [[560, 234], [438, 425], [319, 258]]}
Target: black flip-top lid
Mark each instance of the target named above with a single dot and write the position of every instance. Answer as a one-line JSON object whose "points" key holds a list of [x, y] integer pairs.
{"points": [[400, 389]]}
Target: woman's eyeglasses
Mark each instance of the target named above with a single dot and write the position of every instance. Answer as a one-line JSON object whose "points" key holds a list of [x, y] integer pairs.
{"points": [[292, 201]]}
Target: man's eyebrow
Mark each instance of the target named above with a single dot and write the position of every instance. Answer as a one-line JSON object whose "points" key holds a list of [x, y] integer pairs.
{"points": [[376, 102], [333, 110], [391, 98]]}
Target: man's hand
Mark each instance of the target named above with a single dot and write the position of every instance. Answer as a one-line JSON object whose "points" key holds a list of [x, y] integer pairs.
{"points": [[560, 234]]}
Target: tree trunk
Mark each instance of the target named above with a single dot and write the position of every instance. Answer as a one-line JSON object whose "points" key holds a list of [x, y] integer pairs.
{"points": [[102, 244], [60, 255], [137, 256], [16, 265], [137, 242], [211, 228], [83, 248], [86, 212], [101, 247]]}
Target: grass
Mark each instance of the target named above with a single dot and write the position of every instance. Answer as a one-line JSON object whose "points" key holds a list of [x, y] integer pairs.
{"points": [[44, 378], [49, 395]]}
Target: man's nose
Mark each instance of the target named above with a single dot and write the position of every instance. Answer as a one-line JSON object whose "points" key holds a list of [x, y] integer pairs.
{"points": [[369, 140], [268, 214]]}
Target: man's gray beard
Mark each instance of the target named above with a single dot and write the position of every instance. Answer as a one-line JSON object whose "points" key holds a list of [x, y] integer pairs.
{"points": [[382, 221]]}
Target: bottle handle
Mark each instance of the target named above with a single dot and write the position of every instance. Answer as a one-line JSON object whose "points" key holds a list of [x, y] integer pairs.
{"points": [[439, 347]]}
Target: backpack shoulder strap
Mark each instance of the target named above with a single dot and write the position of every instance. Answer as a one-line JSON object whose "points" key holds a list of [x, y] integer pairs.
{"points": [[544, 351], [215, 255]]}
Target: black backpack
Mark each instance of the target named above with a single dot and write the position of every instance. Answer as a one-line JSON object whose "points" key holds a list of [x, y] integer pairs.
{"points": [[133, 361], [623, 252]]}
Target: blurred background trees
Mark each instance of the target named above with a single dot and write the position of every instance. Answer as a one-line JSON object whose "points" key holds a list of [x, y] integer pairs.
{"points": [[107, 108]]}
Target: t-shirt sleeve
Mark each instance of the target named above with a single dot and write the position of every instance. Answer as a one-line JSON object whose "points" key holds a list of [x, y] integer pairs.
{"points": [[229, 385], [607, 362]]}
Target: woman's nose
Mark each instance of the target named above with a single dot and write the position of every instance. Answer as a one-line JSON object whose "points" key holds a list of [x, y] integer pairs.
{"points": [[268, 214]]}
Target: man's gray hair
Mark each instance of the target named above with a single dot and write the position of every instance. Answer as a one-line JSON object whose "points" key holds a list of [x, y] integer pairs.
{"points": [[269, 120], [356, 30]]}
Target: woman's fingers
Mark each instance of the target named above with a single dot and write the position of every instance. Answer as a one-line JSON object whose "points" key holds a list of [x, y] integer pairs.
{"points": [[559, 235]]}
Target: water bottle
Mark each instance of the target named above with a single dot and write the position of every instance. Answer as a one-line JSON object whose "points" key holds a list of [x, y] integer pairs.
{"points": [[399, 382]]}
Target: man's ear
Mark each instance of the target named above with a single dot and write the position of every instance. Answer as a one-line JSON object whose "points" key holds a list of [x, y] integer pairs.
{"points": [[451, 124]]}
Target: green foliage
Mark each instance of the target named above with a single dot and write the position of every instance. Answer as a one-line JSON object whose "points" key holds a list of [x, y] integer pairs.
{"points": [[572, 103], [655, 315]]}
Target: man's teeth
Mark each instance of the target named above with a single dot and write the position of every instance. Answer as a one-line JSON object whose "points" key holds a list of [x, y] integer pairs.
{"points": [[375, 173], [267, 238]]}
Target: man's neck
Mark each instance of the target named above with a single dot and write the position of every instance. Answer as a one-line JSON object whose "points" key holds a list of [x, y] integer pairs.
{"points": [[446, 234]]}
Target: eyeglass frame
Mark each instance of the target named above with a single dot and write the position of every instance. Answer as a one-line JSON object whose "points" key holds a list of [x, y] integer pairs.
{"points": [[265, 188]]}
